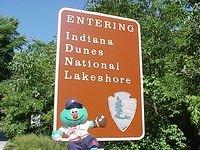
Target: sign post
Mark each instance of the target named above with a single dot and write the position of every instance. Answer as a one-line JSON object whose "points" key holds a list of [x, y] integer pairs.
{"points": [[99, 63]]}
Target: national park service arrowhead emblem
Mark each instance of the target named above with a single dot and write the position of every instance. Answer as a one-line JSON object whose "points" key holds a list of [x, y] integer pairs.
{"points": [[122, 109]]}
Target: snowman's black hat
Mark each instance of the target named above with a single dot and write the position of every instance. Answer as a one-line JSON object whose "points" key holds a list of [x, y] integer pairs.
{"points": [[71, 103]]}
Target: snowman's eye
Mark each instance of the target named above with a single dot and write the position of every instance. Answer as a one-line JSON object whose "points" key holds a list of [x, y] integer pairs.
{"points": [[74, 110]]}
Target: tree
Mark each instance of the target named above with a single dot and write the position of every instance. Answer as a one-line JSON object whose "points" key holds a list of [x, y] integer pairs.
{"points": [[118, 108], [10, 40], [170, 47], [29, 91], [170, 51]]}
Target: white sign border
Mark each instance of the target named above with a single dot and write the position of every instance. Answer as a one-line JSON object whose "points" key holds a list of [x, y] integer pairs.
{"points": [[57, 69]]}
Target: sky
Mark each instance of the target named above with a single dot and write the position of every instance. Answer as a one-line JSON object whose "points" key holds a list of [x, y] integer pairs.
{"points": [[38, 18]]}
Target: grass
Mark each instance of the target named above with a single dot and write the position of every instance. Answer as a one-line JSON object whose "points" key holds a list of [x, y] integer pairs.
{"points": [[34, 142]]}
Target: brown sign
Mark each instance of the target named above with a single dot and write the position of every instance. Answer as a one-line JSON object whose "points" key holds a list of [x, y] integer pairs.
{"points": [[99, 63]]}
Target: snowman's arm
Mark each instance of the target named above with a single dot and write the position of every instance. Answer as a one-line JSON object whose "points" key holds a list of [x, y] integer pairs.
{"points": [[100, 121], [57, 134], [90, 124]]}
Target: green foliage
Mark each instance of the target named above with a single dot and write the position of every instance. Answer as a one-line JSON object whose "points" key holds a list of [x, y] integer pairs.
{"points": [[170, 51], [33, 142], [194, 109], [158, 140], [10, 40], [29, 91]]}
